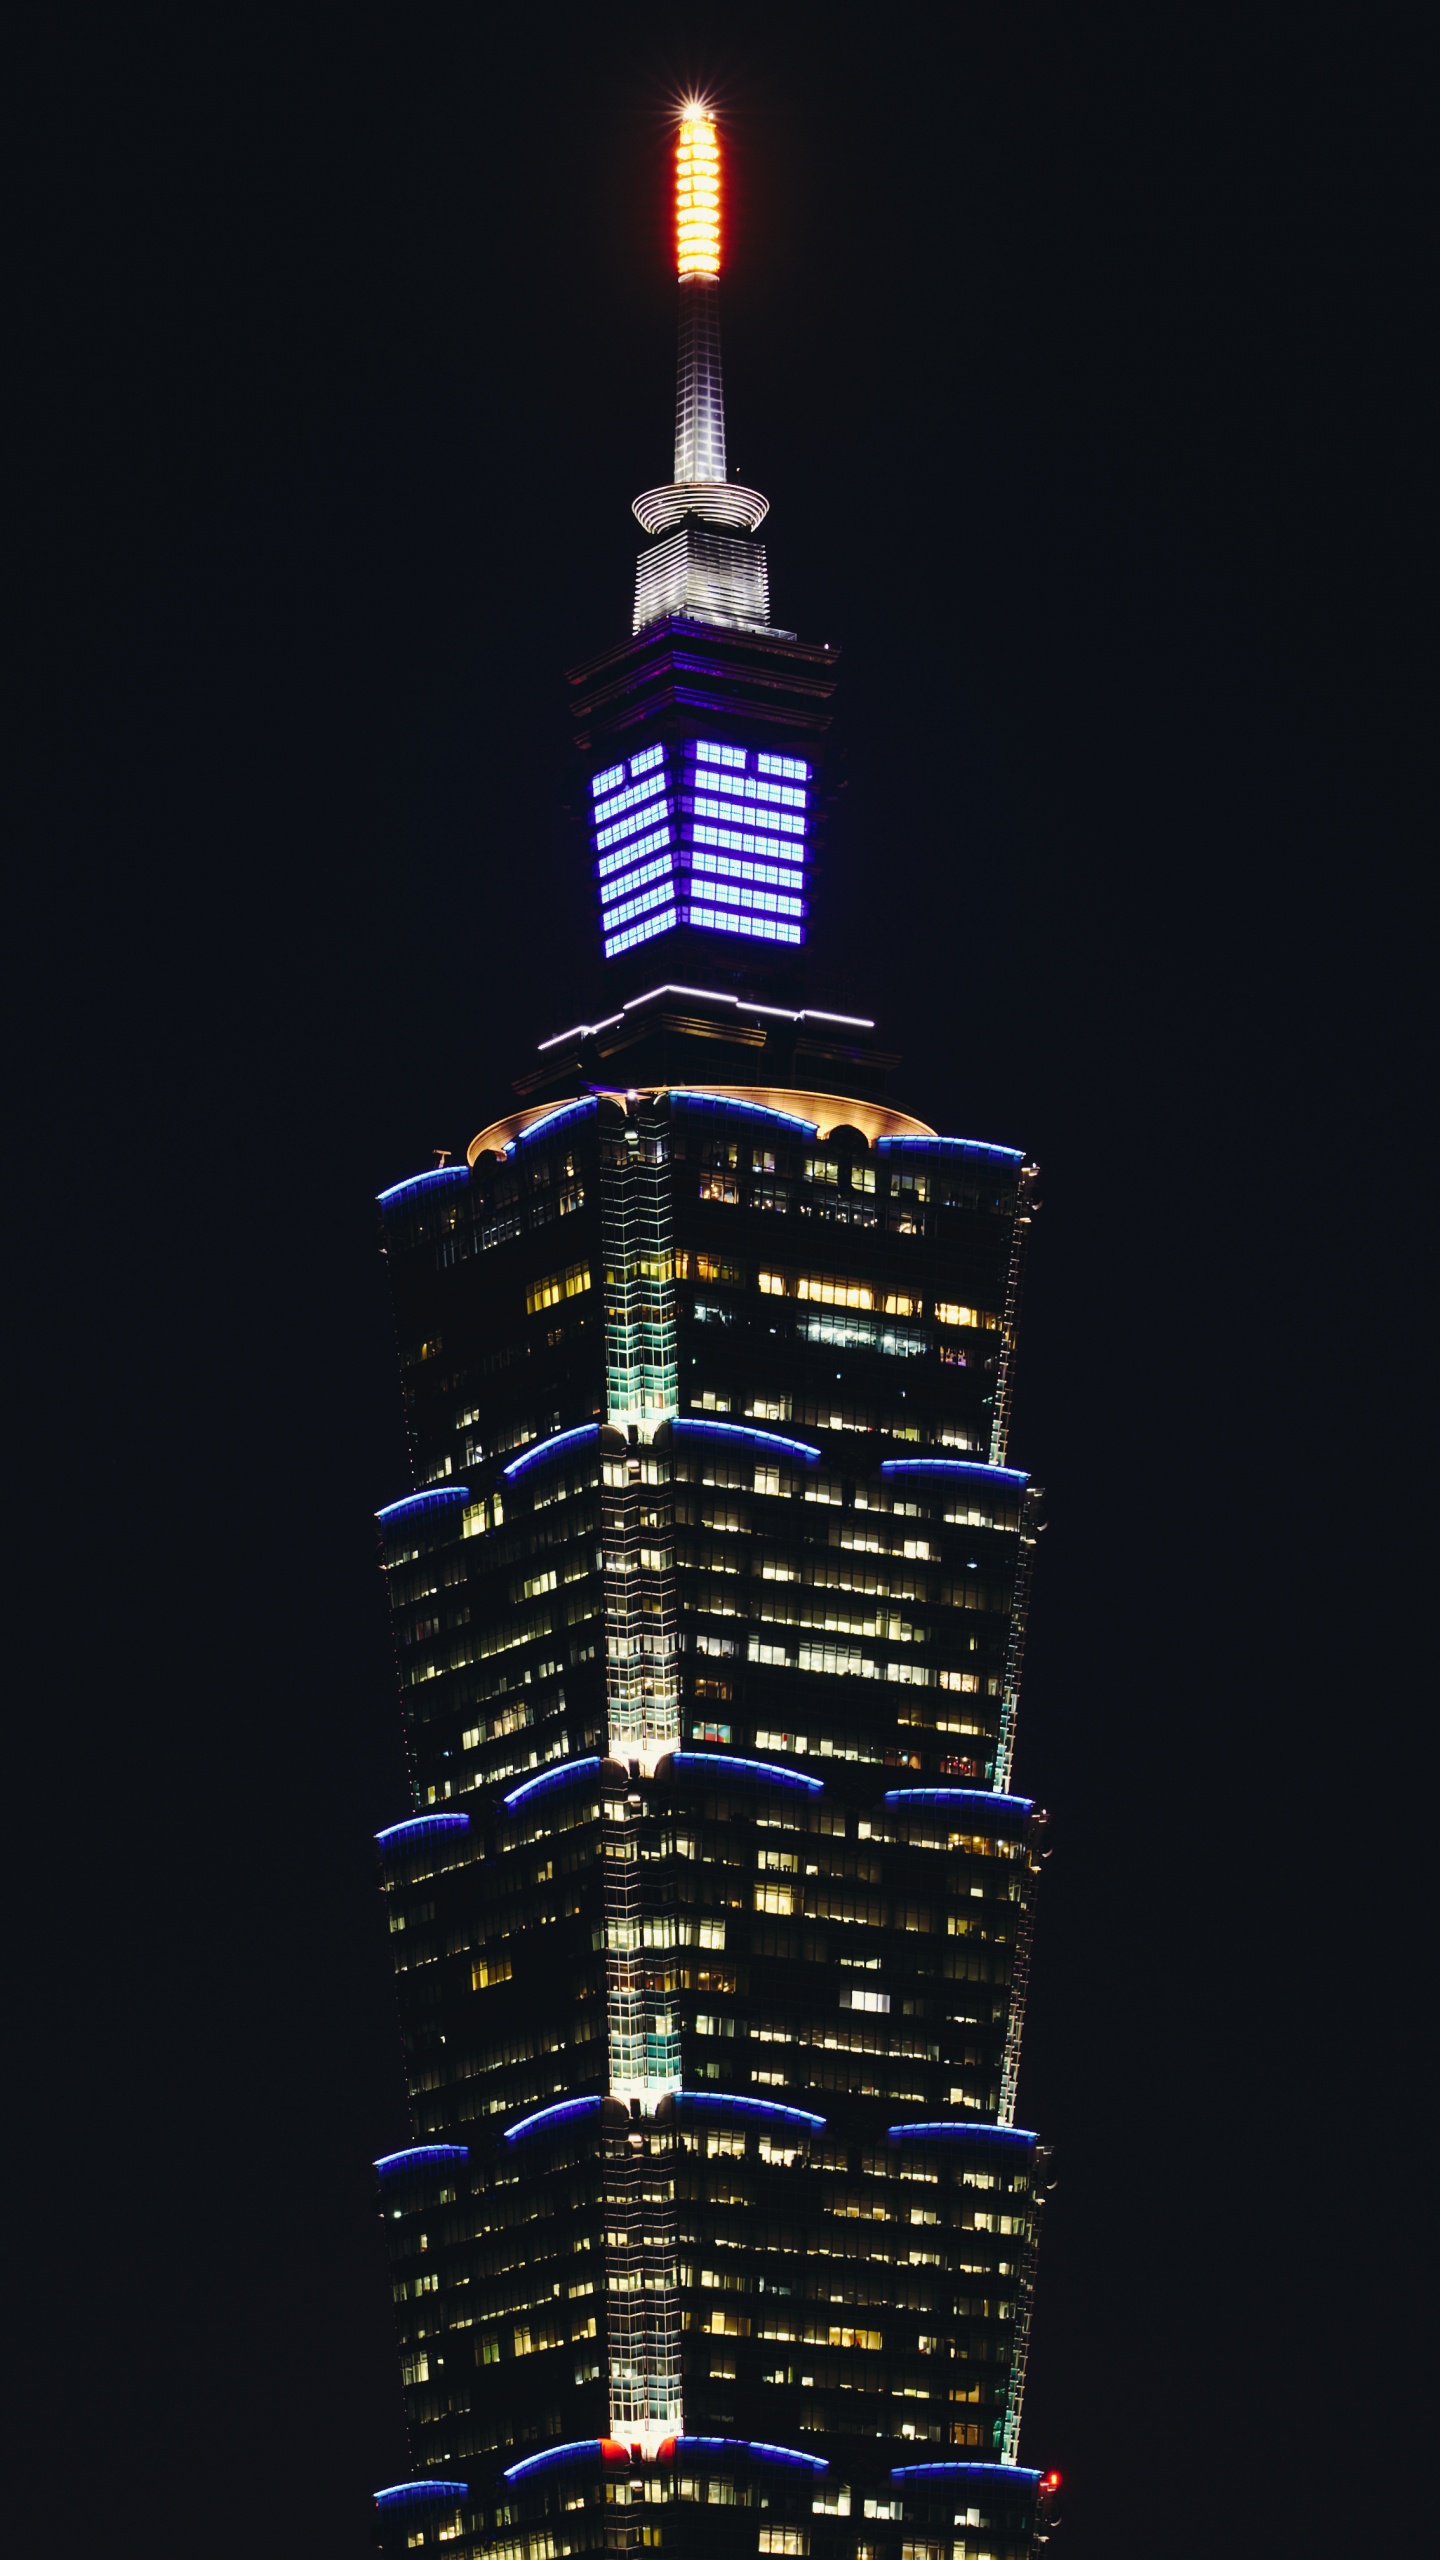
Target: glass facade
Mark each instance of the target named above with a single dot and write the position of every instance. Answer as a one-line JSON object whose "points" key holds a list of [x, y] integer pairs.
{"points": [[704, 832], [711, 1924]]}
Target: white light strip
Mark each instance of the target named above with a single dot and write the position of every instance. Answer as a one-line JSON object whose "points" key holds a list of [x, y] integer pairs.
{"points": [[780, 1012]]}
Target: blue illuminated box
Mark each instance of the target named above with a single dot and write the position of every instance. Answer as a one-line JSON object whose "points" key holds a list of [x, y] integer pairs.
{"points": [[699, 833]]}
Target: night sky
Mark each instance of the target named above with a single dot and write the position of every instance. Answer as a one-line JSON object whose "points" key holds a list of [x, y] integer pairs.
{"points": [[1078, 353]]}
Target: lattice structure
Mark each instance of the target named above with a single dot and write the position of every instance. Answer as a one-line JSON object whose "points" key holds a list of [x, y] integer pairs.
{"points": [[641, 1375]]}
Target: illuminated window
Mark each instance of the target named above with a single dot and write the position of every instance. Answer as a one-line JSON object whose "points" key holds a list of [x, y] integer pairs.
{"points": [[614, 862], [556, 1285], [645, 932], [834, 1293], [660, 869], [791, 766], [777, 821]]}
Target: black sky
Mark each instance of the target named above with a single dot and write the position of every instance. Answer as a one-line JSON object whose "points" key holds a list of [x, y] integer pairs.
{"points": [[1079, 353]]}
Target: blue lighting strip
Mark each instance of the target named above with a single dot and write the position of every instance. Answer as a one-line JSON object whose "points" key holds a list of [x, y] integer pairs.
{"points": [[690, 2445], [994, 2474], [735, 1767], [960, 1795], [567, 2108], [413, 2492], [554, 1119], [586, 2445], [424, 1182], [559, 1777], [421, 2156], [547, 1448], [950, 1146], [741, 1110], [432, 1501], [742, 1431], [954, 1467], [748, 2107], [422, 1826], [985, 2136]]}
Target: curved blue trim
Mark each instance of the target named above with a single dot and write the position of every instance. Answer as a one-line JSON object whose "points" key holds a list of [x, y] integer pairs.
{"points": [[746, 1768], [406, 2492], [433, 1499], [959, 1795], [420, 2155], [953, 1467], [757, 2452], [992, 2471], [742, 1431], [748, 2106], [955, 1146], [549, 1778], [981, 2133], [552, 1119], [547, 1448], [553, 2115], [423, 1826], [422, 1181], [557, 2453], [749, 1110]]}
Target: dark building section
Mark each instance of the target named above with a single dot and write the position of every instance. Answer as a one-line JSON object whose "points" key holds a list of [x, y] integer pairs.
{"points": [[711, 1917]]}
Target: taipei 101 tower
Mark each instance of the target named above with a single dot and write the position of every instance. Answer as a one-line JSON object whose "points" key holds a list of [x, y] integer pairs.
{"points": [[711, 1911]]}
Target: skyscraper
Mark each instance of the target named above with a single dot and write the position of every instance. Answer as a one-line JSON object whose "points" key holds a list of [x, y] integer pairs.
{"points": [[711, 1918]]}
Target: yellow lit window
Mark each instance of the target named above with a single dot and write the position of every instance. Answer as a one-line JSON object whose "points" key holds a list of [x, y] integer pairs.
{"points": [[555, 1285], [896, 1303], [834, 1293]]}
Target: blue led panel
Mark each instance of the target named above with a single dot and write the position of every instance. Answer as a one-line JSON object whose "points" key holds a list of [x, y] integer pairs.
{"points": [[705, 833]]}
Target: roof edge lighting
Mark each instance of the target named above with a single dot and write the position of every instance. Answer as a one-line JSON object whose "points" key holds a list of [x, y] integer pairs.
{"points": [[743, 1431], [757, 2451], [434, 1497], [567, 2107], [749, 2106], [734, 1765], [996, 2471], [420, 1826], [420, 2155], [423, 1181], [605, 2446], [550, 1778], [406, 2492], [547, 1448], [951, 2132], [960, 1795], [973, 1467]]}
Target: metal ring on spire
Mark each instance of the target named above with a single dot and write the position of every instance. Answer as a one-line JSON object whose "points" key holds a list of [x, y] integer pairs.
{"points": [[714, 501]]}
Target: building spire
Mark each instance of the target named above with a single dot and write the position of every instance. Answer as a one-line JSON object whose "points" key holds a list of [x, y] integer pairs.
{"points": [[700, 488]]}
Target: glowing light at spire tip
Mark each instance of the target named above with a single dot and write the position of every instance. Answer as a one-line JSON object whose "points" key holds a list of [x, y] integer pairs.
{"points": [[697, 192]]}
